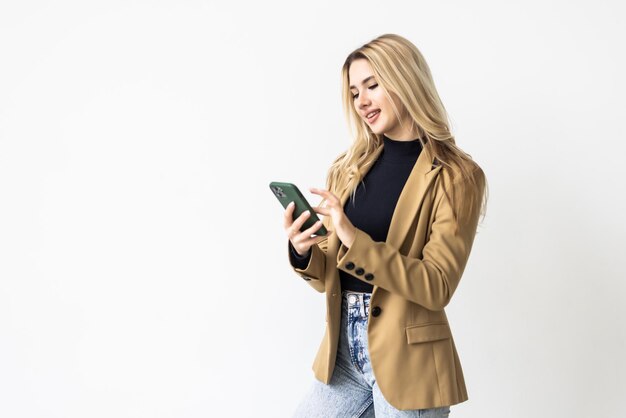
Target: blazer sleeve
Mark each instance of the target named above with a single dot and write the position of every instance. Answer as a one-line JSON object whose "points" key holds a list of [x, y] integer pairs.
{"points": [[314, 272], [298, 260], [431, 280]]}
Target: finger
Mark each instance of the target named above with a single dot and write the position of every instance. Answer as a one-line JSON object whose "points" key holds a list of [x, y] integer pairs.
{"points": [[325, 194], [316, 239], [312, 229], [288, 220], [297, 224], [320, 192], [323, 237], [322, 210]]}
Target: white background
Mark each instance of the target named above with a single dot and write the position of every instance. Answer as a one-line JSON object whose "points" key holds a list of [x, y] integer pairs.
{"points": [[143, 264]]}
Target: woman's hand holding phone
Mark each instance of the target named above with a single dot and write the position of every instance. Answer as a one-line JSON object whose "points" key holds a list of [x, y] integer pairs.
{"points": [[301, 241]]}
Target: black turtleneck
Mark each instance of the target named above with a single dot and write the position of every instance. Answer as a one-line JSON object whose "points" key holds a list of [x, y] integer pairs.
{"points": [[375, 200]]}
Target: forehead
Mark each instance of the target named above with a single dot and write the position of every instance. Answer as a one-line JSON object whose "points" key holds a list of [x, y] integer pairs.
{"points": [[360, 69]]}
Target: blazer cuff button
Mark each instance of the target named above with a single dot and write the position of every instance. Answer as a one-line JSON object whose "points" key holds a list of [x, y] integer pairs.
{"points": [[369, 276], [349, 265], [359, 271]]}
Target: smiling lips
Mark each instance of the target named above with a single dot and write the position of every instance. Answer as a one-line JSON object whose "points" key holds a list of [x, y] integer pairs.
{"points": [[373, 115]]}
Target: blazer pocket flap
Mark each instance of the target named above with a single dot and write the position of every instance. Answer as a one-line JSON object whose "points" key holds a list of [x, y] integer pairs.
{"points": [[428, 332]]}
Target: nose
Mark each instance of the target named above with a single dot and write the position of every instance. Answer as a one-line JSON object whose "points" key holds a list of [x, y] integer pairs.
{"points": [[363, 101]]}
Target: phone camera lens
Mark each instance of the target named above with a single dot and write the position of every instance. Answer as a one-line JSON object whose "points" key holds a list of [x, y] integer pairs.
{"points": [[278, 191]]}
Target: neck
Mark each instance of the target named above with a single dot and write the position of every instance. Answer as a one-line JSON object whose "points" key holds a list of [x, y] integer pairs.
{"points": [[400, 150], [403, 134]]}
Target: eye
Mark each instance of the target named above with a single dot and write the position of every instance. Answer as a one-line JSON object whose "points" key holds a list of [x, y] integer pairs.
{"points": [[372, 87]]}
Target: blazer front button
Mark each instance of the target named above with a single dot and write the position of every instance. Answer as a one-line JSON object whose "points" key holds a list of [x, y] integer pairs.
{"points": [[359, 271], [376, 311], [369, 276], [349, 265]]}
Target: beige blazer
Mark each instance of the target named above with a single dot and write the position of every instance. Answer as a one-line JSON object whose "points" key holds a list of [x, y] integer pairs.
{"points": [[414, 275]]}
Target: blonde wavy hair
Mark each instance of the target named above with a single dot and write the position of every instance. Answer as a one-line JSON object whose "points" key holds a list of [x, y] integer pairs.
{"points": [[400, 68]]}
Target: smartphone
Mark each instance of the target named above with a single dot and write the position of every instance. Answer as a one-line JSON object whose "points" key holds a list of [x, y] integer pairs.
{"points": [[289, 192]]}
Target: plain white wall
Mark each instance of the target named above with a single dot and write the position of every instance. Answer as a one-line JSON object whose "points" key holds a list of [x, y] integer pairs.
{"points": [[143, 264]]}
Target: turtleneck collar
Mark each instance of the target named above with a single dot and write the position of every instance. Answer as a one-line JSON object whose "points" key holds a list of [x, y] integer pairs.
{"points": [[400, 151]]}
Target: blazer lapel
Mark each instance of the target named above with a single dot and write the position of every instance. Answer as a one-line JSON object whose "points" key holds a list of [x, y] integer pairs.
{"points": [[411, 197]]}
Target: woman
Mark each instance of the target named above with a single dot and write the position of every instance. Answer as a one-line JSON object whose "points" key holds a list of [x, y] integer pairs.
{"points": [[401, 206]]}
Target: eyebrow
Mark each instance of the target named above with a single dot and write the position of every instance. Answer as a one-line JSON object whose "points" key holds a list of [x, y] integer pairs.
{"points": [[364, 81]]}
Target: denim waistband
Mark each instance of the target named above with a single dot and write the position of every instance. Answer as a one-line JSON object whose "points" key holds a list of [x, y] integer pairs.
{"points": [[346, 293], [356, 300]]}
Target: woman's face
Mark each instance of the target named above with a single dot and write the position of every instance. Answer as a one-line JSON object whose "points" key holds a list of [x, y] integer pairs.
{"points": [[370, 99]]}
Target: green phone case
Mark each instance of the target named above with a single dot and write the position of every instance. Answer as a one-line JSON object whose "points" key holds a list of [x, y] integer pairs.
{"points": [[289, 192]]}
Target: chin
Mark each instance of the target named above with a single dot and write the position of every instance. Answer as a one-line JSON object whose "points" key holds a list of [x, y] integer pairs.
{"points": [[378, 130]]}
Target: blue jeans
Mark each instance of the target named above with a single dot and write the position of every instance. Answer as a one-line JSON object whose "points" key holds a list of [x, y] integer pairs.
{"points": [[353, 391]]}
